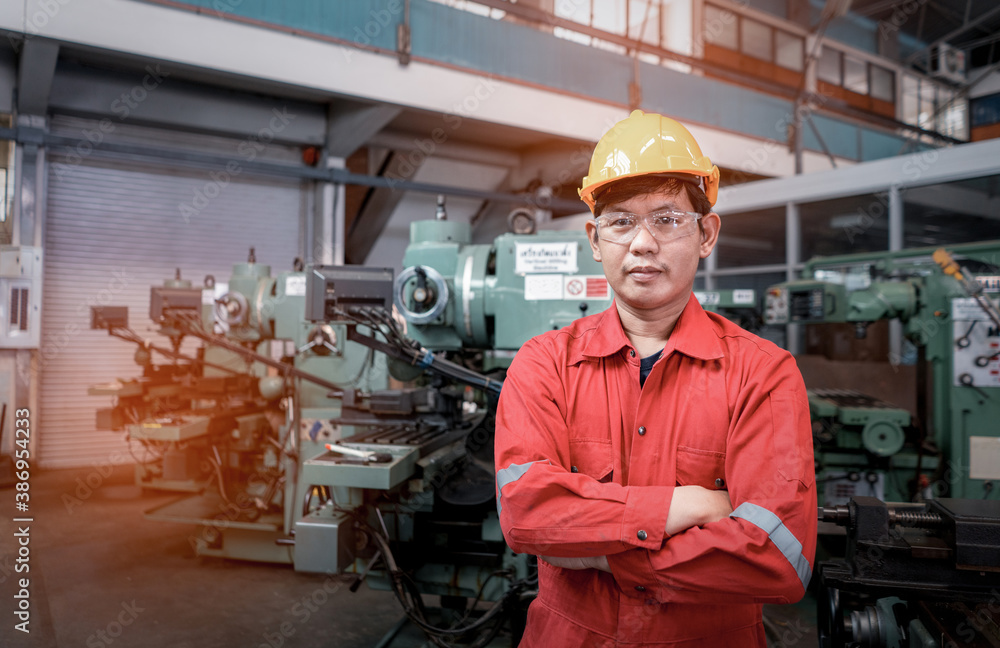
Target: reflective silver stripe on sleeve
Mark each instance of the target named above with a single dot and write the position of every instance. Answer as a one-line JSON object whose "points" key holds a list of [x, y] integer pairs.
{"points": [[510, 474], [779, 534]]}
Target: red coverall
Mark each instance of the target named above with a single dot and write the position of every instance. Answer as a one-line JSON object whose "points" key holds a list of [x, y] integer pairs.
{"points": [[587, 464]]}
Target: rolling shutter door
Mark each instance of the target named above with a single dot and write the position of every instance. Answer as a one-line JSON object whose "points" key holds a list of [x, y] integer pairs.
{"points": [[113, 229]]}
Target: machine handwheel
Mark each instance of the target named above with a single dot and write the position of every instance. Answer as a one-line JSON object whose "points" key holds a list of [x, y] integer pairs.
{"points": [[830, 618], [437, 294]]}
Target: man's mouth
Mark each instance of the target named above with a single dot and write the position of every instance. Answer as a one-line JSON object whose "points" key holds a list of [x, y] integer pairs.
{"points": [[644, 273]]}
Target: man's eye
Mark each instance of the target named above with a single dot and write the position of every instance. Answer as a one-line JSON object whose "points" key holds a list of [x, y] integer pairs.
{"points": [[621, 222], [666, 221]]}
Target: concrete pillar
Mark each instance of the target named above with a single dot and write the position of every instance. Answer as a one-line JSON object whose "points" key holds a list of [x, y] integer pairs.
{"points": [[19, 383], [711, 265], [793, 253], [29, 188], [328, 231]]}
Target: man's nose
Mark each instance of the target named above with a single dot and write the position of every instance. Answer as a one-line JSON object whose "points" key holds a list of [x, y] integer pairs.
{"points": [[644, 240]]}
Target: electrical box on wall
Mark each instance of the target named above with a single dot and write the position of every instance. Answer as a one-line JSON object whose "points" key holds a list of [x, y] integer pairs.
{"points": [[20, 296], [948, 62]]}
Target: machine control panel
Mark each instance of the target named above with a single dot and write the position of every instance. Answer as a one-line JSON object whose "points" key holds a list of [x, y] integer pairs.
{"points": [[977, 345]]}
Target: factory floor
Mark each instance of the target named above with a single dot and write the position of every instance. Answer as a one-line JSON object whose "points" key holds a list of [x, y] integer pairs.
{"points": [[102, 575]]}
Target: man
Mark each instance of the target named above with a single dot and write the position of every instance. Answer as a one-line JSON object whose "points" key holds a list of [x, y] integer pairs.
{"points": [[657, 458]]}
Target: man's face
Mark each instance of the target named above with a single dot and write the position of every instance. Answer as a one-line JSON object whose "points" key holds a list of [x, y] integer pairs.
{"points": [[648, 274]]}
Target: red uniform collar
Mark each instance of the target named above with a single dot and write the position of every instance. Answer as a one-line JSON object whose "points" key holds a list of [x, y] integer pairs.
{"points": [[694, 335]]}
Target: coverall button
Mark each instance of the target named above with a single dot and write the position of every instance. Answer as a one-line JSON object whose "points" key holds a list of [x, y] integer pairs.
{"points": [[642, 430], [574, 469], [631, 353], [720, 482], [640, 588], [641, 535]]}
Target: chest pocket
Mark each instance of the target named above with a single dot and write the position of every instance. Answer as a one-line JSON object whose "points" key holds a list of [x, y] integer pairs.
{"points": [[591, 457], [703, 468]]}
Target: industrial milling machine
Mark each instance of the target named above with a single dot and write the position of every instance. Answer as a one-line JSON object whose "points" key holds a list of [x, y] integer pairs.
{"points": [[340, 419], [920, 564], [949, 446]]}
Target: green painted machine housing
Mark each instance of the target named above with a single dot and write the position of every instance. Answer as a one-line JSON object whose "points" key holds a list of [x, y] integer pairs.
{"points": [[275, 316], [936, 313], [728, 299], [876, 427], [497, 301]]}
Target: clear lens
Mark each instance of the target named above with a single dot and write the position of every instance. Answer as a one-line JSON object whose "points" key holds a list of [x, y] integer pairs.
{"points": [[622, 227]]}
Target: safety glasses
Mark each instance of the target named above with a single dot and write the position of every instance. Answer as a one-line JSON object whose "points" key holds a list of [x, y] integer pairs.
{"points": [[664, 225]]}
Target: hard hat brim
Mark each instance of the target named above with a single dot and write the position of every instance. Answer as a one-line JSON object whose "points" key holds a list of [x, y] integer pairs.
{"points": [[707, 182]]}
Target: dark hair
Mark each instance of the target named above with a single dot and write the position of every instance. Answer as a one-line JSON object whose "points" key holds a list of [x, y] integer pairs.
{"points": [[628, 188]]}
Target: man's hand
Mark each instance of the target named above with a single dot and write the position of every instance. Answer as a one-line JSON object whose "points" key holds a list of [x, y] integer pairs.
{"points": [[694, 506], [598, 562]]}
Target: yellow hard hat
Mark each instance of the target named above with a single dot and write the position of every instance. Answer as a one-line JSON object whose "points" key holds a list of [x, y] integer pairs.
{"points": [[644, 144]]}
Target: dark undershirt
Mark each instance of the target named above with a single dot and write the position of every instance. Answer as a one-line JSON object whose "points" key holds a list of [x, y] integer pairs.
{"points": [[646, 365]]}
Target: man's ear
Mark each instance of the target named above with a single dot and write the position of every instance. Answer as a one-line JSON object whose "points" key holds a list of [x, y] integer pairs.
{"points": [[592, 237], [710, 226]]}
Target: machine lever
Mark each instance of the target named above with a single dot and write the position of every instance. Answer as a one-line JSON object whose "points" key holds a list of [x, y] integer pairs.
{"points": [[971, 286]]}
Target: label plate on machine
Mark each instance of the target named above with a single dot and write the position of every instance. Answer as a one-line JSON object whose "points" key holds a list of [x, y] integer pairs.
{"points": [[548, 258], [984, 457], [295, 285]]}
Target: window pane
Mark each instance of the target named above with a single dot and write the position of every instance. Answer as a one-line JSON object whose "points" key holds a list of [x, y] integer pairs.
{"points": [[828, 66], [844, 225], [789, 50], [927, 101], [3, 195], [720, 27], [883, 83], [756, 39], [752, 238], [575, 11], [944, 97], [608, 46], [855, 75], [644, 19], [985, 110], [610, 16], [952, 114], [576, 37], [957, 119], [911, 99]]}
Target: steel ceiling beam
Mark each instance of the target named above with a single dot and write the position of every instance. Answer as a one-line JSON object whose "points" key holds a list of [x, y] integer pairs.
{"points": [[953, 33], [36, 69], [930, 167], [69, 145]]}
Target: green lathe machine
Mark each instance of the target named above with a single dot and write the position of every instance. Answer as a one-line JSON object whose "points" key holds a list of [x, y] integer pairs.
{"points": [[340, 419], [946, 301], [913, 553]]}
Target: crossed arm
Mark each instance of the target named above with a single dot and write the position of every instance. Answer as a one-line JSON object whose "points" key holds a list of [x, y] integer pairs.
{"points": [[690, 506]]}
